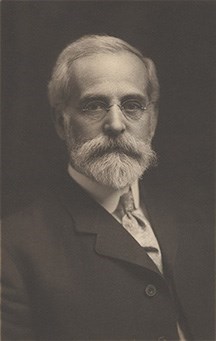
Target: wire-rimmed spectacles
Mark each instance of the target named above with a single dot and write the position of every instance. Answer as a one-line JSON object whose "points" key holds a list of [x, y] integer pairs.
{"points": [[131, 109]]}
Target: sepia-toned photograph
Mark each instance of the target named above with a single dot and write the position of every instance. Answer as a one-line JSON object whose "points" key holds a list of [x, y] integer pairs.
{"points": [[108, 170]]}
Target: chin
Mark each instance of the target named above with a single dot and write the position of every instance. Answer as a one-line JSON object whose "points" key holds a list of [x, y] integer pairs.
{"points": [[113, 170]]}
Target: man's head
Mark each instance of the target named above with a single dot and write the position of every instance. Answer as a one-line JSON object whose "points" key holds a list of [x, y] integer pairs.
{"points": [[105, 96]]}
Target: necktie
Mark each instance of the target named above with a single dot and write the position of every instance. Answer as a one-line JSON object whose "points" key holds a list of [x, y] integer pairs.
{"points": [[138, 226]]}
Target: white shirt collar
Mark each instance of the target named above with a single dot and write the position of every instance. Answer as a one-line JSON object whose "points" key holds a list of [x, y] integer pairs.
{"points": [[105, 196]]}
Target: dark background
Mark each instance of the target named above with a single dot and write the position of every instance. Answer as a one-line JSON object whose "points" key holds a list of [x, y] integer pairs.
{"points": [[178, 35]]}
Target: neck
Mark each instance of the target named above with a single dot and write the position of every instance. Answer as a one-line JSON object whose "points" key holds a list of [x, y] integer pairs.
{"points": [[87, 182]]}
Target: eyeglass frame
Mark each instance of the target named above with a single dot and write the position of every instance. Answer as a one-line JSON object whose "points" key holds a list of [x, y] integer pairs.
{"points": [[121, 107]]}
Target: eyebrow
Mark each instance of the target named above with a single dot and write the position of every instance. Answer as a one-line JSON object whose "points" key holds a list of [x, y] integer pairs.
{"points": [[140, 98], [92, 97]]}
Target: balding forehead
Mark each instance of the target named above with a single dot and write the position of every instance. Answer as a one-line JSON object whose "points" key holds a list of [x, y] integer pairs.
{"points": [[102, 67]]}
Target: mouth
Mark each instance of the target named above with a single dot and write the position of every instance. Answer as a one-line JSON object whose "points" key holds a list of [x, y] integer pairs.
{"points": [[116, 150]]}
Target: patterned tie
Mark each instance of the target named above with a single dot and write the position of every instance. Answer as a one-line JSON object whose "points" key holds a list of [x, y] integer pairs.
{"points": [[138, 226]]}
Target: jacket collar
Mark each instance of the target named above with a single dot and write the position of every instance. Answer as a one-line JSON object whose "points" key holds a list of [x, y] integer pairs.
{"points": [[112, 239]]}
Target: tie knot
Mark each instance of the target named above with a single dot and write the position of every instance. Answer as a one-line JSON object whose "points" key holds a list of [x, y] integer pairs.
{"points": [[126, 204]]}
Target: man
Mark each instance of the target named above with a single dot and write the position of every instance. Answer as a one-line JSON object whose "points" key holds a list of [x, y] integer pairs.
{"points": [[105, 255]]}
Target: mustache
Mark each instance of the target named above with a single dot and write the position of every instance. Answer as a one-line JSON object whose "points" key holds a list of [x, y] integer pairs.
{"points": [[102, 145]]}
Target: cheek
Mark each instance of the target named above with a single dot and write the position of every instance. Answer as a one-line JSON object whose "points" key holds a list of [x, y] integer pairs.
{"points": [[82, 129], [141, 129]]}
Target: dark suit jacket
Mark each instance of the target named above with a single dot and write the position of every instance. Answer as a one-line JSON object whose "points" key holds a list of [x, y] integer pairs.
{"points": [[72, 272]]}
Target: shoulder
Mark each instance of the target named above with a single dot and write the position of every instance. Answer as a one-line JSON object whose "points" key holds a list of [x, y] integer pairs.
{"points": [[187, 202], [34, 225], [47, 218]]}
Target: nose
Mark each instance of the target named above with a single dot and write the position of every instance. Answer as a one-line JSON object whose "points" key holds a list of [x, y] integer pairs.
{"points": [[114, 123]]}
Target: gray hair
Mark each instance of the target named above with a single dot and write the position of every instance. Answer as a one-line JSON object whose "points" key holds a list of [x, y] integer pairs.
{"points": [[60, 85]]}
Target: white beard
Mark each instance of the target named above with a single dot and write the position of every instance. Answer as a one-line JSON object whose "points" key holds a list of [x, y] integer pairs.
{"points": [[113, 162]]}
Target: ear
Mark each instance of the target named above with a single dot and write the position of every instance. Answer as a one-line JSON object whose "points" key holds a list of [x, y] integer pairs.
{"points": [[59, 124], [154, 120]]}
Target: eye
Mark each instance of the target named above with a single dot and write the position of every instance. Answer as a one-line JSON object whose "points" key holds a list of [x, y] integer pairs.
{"points": [[132, 105], [94, 106]]}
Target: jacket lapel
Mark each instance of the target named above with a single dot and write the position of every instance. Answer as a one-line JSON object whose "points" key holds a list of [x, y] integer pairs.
{"points": [[112, 240], [163, 221]]}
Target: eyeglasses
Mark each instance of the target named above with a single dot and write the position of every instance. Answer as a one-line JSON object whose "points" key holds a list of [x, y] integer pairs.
{"points": [[131, 109]]}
